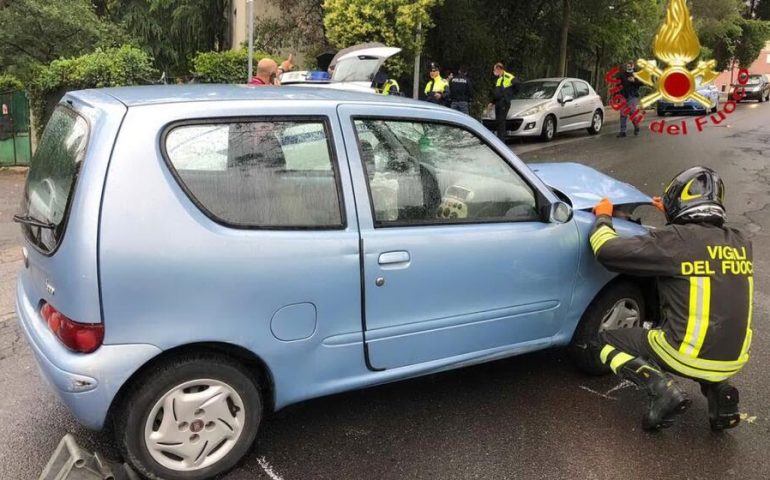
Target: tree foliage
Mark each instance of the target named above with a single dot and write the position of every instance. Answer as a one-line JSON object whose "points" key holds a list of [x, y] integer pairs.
{"points": [[298, 28], [224, 67], [173, 31], [10, 83], [392, 22], [35, 32], [726, 35], [110, 67]]}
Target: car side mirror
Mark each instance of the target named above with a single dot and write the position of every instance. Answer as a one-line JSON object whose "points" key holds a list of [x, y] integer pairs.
{"points": [[567, 99], [559, 212]]}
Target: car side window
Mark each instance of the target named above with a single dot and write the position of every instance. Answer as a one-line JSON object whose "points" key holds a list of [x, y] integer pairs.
{"points": [[258, 174], [423, 173], [581, 89], [566, 91]]}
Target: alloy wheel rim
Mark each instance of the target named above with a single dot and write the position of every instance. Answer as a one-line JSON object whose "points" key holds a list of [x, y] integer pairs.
{"points": [[194, 425], [624, 314], [597, 122], [549, 128]]}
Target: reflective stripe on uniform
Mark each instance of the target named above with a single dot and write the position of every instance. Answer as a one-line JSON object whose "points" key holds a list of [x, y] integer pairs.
{"points": [[605, 351], [505, 80], [620, 359], [749, 333], [711, 370], [698, 319], [601, 236]]}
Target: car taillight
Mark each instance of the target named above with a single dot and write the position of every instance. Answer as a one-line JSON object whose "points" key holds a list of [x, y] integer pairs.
{"points": [[80, 337]]}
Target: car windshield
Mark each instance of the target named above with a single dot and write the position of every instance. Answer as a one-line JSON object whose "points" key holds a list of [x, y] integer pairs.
{"points": [[754, 80], [536, 89]]}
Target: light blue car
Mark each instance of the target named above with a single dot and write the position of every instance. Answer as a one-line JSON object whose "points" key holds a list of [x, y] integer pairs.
{"points": [[199, 256]]}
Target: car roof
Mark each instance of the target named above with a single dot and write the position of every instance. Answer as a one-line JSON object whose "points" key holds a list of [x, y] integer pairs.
{"points": [[160, 94]]}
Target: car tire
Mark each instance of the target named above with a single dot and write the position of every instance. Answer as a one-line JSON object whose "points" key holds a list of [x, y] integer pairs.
{"points": [[596, 123], [715, 108], [549, 128], [235, 409], [661, 113], [582, 347]]}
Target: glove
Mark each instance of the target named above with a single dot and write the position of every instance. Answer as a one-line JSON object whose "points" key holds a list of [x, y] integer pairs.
{"points": [[657, 202], [604, 207]]}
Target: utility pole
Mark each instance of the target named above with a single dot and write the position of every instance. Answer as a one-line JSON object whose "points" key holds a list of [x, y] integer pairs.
{"points": [[250, 9], [416, 83]]}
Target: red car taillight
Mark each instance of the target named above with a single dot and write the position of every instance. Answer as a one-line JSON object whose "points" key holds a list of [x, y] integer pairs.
{"points": [[80, 337]]}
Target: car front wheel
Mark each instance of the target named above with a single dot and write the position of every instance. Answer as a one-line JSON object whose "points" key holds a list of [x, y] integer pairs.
{"points": [[621, 305], [596, 123], [549, 128], [191, 418]]}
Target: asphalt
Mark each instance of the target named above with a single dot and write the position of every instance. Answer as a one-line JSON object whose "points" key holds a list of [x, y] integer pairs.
{"points": [[528, 417]]}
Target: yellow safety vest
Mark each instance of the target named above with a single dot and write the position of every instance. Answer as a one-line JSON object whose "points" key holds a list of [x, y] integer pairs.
{"points": [[505, 80], [390, 87], [435, 85]]}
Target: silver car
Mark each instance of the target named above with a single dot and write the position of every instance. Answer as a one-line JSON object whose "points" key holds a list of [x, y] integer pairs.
{"points": [[547, 106]]}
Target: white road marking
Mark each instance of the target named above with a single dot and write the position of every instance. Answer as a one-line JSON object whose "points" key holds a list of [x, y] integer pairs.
{"points": [[268, 469], [623, 384]]}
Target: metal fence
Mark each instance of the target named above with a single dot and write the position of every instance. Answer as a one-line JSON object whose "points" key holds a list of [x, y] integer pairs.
{"points": [[15, 141]]}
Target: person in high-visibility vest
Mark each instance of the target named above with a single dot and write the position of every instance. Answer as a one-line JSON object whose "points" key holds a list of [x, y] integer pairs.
{"points": [[384, 85], [501, 97], [704, 273], [435, 89]]}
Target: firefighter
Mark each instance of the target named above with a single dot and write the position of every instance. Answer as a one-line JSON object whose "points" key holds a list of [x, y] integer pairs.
{"points": [[435, 89], [704, 275], [502, 97]]}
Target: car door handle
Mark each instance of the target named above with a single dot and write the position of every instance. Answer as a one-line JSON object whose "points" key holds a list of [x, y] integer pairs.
{"points": [[394, 258]]}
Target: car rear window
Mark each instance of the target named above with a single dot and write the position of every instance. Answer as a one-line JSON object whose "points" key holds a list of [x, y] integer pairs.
{"points": [[258, 174], [52, 176]]}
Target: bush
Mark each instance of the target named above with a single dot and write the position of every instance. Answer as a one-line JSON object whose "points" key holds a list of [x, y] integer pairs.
{"points": [[111, 67], [9, 83], [231, 66]]}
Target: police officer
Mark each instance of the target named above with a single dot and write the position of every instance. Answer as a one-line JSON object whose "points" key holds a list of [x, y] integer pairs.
{"points": [[705, 284], [460, 91], [501, 97], [435, 89], [385, 85]]}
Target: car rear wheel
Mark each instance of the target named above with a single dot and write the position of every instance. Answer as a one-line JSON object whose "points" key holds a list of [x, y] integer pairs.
{"points": [[596, 123], [191, 418], [621, 305], [549, 128], [661, 113], [715, 107]]}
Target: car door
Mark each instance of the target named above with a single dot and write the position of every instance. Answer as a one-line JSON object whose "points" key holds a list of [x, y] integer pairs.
{"points": [[567, 112], [456, 260], [584, 107]]}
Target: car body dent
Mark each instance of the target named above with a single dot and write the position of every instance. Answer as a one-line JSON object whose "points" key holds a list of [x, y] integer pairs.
{"points": [[585, 186]]}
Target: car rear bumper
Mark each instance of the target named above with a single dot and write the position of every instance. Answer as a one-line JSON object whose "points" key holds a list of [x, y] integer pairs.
{"points": [[86, 383]]}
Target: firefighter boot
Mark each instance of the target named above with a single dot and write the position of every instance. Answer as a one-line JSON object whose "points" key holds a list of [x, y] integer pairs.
{"points": [[723, 405], [666, 398]]}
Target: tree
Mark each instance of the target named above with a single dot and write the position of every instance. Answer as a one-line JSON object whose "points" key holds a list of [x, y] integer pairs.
{"points": [[35, 32], [173, 30], [299, 28], [392, 22], [728, 37]]}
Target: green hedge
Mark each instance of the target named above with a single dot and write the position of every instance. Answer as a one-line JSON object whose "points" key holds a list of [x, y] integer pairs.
{"points": [[110, 67], [231, 66], [10, 83]]}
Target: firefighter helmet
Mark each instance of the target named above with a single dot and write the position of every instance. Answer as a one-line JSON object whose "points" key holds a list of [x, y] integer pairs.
{"points": [[696, 194]]}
